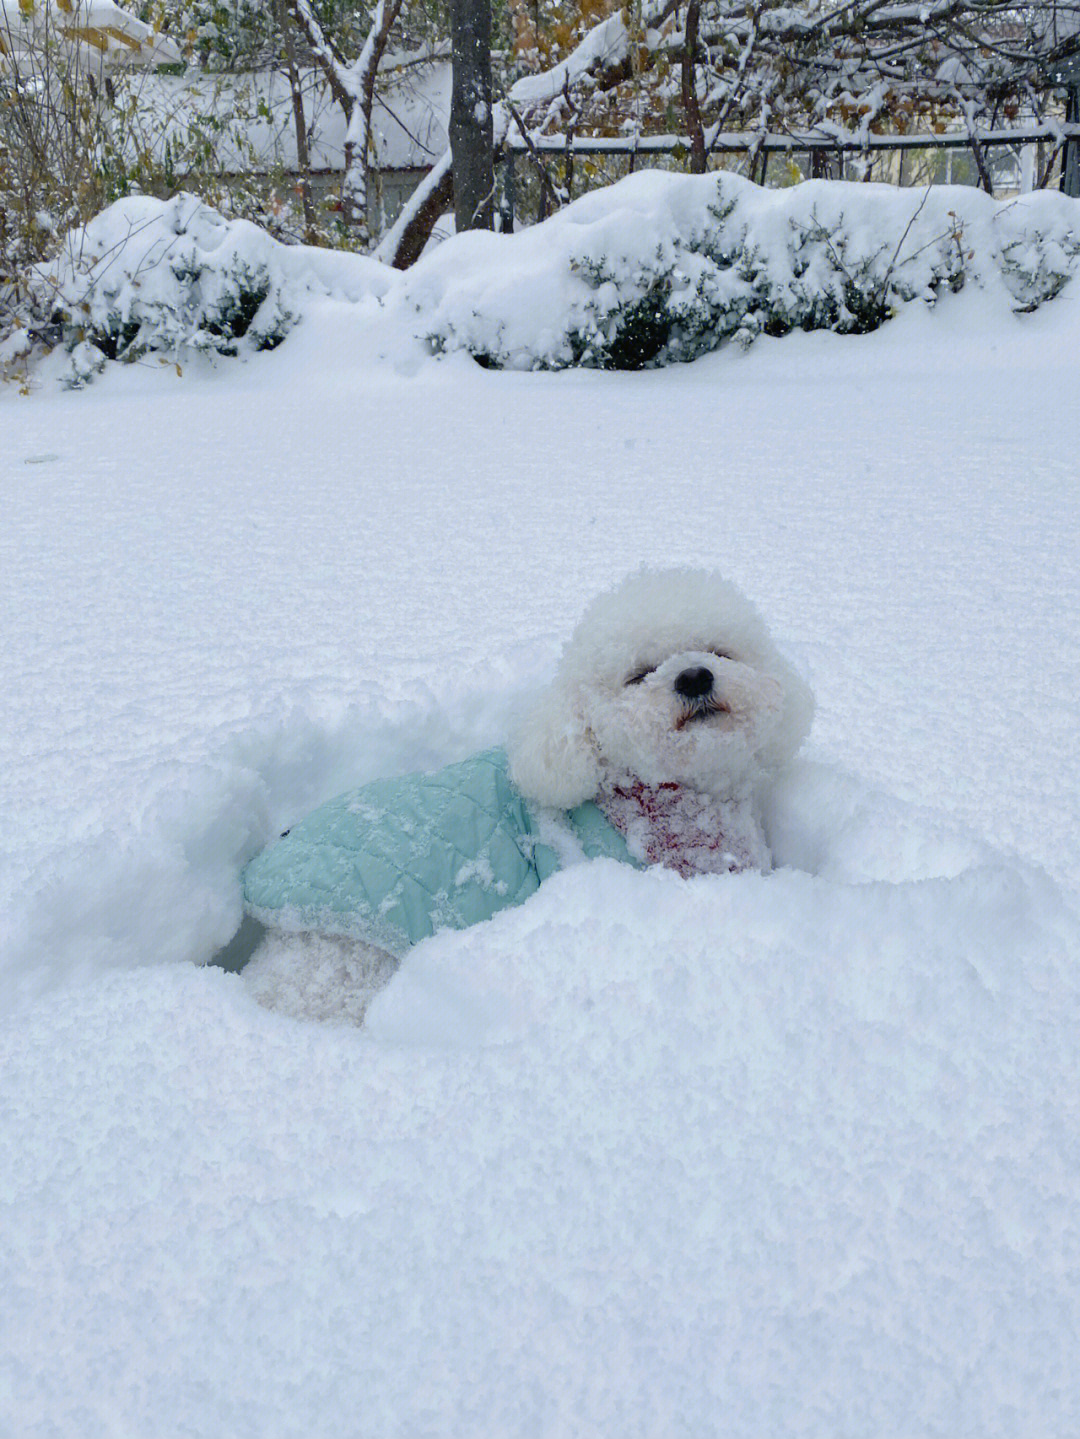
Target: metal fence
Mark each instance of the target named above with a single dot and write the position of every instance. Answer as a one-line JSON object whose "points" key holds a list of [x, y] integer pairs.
{"points": [[539, 172]]}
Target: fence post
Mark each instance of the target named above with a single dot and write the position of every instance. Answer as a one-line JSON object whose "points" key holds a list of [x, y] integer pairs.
{"points": [[1070, 162]]}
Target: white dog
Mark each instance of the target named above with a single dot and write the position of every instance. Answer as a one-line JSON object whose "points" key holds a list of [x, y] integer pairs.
{"points": [[671, 709]]}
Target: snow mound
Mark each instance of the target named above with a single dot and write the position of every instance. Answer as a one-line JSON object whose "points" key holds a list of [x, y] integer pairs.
{"points": [[174, 277], [660, 268], [151, 875]]}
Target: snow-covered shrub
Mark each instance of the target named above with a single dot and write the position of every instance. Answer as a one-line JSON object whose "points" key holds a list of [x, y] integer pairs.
{"points": [[1036, 265], [175, 278], [168, 277], [163, 276], [661, 267]]}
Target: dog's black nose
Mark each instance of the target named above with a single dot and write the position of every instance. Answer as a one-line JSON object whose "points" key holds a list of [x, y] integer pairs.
{"points": [[694, 684]]}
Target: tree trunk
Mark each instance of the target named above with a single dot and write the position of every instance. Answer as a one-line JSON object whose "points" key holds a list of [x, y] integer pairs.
{"points": [[353, 87], [303, 163], [402, 245], [358, 151], [471, 132], [691, 108]]}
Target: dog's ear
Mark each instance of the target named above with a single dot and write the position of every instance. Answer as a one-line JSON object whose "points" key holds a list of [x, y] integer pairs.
{"points": [[796, 717], [552, 758]]}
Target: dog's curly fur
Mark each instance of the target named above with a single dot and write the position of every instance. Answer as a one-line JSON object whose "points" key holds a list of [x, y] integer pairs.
{"points": [[671, 707], [670, 679]]}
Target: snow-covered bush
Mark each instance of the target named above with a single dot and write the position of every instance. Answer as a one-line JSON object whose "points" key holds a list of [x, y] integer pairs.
{"points": [[661, 267], [168, 276], [174, 278], [655, 269]]}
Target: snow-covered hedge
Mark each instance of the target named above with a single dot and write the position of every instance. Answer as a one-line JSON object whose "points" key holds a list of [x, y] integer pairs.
{"points": [[176, 278], [661, 267], [656, 269]]}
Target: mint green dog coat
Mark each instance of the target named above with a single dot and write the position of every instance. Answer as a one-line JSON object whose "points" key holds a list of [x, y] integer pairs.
{"points": [[398, 859]]}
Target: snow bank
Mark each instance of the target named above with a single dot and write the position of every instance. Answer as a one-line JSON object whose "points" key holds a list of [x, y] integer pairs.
{"points": [[149, 871], [661, 267], [786, 1154], [655, 269]]}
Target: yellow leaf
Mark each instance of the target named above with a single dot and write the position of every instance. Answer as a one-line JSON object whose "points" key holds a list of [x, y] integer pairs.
{"points": [[93, 36]]}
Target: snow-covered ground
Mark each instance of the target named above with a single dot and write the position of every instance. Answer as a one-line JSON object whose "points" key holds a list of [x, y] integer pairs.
{"points": [[742, 1155]]}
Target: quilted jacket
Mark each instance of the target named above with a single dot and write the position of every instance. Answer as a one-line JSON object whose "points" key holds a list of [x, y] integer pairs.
{"points": [[395, 860]]}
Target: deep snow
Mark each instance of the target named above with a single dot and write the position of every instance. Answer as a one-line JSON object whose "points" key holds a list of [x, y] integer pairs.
{"points": [[739, 1155]]}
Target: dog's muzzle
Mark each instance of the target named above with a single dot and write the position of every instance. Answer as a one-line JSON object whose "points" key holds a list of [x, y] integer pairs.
{"points": [[695, 688], [694, 684]]}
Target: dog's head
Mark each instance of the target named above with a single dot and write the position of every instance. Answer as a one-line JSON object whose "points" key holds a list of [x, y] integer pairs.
{"points": [[670, 677]]}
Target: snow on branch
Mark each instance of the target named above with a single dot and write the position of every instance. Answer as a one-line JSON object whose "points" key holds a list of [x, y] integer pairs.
{"points": [[865, 67]]}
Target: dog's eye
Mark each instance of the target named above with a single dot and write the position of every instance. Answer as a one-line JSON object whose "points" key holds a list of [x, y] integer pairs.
{"points": [[639, 675], [721, 654]]}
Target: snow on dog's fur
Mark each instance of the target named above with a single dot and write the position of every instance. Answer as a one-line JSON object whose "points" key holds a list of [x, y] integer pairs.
{"points": [[671, 708]]}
